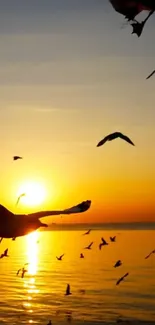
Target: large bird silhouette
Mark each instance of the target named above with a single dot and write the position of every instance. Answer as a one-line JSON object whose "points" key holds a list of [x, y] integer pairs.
{"points": [[113, 136], [17, 225]]}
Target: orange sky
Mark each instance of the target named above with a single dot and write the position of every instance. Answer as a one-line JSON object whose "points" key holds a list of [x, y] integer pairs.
{"points": [[69, 76]]}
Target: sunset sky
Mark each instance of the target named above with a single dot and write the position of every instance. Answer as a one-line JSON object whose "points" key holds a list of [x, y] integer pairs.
{"points": [[69, 75]]}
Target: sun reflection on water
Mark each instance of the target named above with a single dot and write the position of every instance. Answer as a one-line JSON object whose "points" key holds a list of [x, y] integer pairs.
{"points": [[29, 279]]}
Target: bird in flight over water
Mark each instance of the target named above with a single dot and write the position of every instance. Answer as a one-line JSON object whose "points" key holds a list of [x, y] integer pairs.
{"points": [[19, 197], [113, 136], [89, 246], [5, 254], [87, 232], [60, 257], [153, 252], [104, 243], [68, 292], [17, 157], [151, 74], [122, 278], [17, 225], [118, 263], [113, 239]]}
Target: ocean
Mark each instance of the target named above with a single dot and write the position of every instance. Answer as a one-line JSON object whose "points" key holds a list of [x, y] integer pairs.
{"points": [[40, 295]]}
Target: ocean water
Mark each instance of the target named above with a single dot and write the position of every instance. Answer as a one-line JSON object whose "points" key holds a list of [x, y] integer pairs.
{"points": [[39, 296]]}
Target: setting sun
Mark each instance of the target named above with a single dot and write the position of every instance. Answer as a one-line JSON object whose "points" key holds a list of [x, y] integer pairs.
{"points": [[32, 193]]}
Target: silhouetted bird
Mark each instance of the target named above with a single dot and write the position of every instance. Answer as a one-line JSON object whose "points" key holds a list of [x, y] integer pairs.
{"points": [[113, 239], [23, 272], [16, 225], [113, 136], [60, 257], [104, 243], [14, 238], [5, 254], [153, 252], [1, 239], [151, 74], [17, 157], [122, 278], [20, 196], [68, 292], [81, 255], [87, 232], [89, 246], [118, 263]]}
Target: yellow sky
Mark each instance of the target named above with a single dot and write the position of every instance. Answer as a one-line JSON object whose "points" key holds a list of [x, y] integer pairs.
{"points": [[70, 76]]}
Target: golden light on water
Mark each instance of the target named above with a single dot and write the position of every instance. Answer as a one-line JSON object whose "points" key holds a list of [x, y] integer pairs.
{"points": [[29, 279], [32, 253]]}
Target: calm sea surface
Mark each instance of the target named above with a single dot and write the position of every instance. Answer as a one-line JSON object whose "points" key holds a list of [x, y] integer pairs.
{"points": [[39, 296]]}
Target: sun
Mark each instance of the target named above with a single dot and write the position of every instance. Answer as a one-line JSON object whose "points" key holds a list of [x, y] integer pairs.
{"points": [[32, 193]]}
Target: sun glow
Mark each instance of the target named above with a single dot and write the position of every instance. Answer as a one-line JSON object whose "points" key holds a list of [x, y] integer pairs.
{"points": [[32, 193]]}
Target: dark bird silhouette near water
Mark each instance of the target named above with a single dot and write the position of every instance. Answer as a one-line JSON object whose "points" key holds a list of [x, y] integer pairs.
{"points": [[60, 257], [17, 225], [151, 74], [17, 157], [87, 232], [68, 292], [103, 243], [113, 136], [89, 246], [153, 252], [122, 278], [1, 239], [19, 197], [5, 254], [118, 263], [81, 255], [113, 239]]}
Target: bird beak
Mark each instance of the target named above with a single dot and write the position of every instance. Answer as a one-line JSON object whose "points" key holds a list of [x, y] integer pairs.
{"points": [[43, 225]]}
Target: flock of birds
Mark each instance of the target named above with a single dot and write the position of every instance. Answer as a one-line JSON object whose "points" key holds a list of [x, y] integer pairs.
{"points": [[130, 9]]}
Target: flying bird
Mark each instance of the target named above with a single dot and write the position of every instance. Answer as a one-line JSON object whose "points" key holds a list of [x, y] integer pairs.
{"points": [[118, 263], [122, 278], [103, 243], [151, 74], [20, 196], [87, 232], [68, 292], [113, 136], [60, 257], [89, 246], [23, 272], [17, 157], [113, 239], [153, 252], [17, 225], [5, 254], [81, 255], [1, 239]]}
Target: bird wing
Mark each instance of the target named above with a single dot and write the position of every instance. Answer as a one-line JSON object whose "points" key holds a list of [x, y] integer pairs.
{"points": [[124, 137], [100, 246], [119, 280], [90, 244], [103, 141], [6, 251], [79, 208], [151, 74], [61, 255]]}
